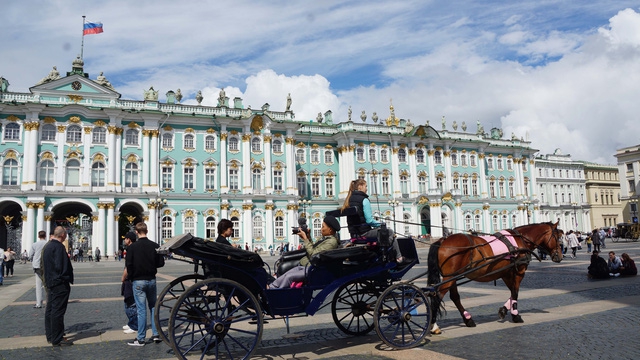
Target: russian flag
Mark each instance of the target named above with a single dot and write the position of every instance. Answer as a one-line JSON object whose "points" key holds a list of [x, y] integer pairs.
{"points": [[92, 28]]}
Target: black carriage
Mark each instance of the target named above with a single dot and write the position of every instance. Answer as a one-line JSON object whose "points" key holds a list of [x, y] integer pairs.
{"points": [[219, 310], [626, 231]]}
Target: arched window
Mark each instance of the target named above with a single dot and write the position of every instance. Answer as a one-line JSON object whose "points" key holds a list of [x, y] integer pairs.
{"points": [[236, 227], [167, 227], [47, 172], [454, 159], [210, 228], [359, 154], [10, 172], [384, 156], [404, 185], [300, 156], [210, 143], [234, 180], [74, 134], [189, 225], [99, 135], [48, 133], [315, 156], [505, 222], [420, 156], [472, 160], [317, 228], [372, 155], [276, 146], [258, 225], [328, 157], [407, 221], [468, 223], [494, 223], [189, 140], [437, 157], [256, 179], [422, 184], [477, 223], [167, 140], [402, 155], [98, 174], [73, 173], [279, 227], [233, 143], [131, 175], [463, 160], [256, 145], [131, 137]]}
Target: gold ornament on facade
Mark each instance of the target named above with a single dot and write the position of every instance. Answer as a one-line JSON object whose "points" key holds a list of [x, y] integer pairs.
{"points": [[119, 131], [234, 164], [224, 136], [13, 118], [300, 145], [167, 212], [189, 130], [99, 123], [49, 120], [481, 155], [48, 217], [423, 200], [266, 138], [75, 98], [235, 212], [130, 218], [133, 125], [132, 158], [279, 212], [352, 147], [290, 141], [224, 206], [395, 150], [447, 153], [257, 124], [61, 128], [211, 131], [269, 206], [328, 146], [30, 205], [447, 197], [342, 149], [431, 152], [11, 155], [87, 130], [246, 137], [247, 206], [233, 132], [315, 146], [94, 218], [412, 151], [145, 218], [167, 128], [292, 207], [486, 207], [189, 213], [211, 212]]}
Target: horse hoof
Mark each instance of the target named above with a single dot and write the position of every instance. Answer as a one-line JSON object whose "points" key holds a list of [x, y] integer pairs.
{"points": [[469, 322], [502, 312], [517, 318], [436, 332]]}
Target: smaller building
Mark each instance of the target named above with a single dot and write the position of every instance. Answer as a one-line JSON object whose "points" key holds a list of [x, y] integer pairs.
{"points": [[603, 194], [629, 174]]}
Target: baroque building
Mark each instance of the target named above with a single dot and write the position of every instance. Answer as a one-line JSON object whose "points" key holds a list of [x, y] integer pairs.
{"points": [[73, 153]]}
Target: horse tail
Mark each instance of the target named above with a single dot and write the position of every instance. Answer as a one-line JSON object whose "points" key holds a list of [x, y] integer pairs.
{"points": [[433, 277]]}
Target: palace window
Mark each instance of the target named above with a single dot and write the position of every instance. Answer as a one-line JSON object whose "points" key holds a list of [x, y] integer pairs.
{"points": [[167, 177], [98, 174], [131, 137], [257, 227], [420, 156], [99, 135], [328, 157], [233, 144], [256, 180], [454, 159], [437, 157], [279, 227], [385, 185], [10, 172], [167, 140], [236, 227], [131, 175], [276, 146], [234, 181], [315, 186], [277, 180], [256, 145], [167, 227], [189, 141], [47, 171], [210, 143], [12, 131], [209, 178], [372, 155], [422, 184], [74, 134], [210, 228], [302, 185], [49, 133], [359, 154], [328, 186], [300, 158], [189, 178], [315, 156], [402, 155], [384, 156], [189, 225], [72, 173]]}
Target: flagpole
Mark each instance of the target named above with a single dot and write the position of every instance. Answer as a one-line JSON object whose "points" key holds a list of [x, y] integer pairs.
{"points": [[82, 46]]}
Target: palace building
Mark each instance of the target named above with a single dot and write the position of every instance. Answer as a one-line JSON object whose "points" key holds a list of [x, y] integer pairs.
{"points": [[73, 153]]}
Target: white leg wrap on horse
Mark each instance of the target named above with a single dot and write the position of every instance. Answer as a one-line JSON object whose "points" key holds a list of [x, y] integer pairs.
{"points": [[514, 308], [508, 304], [466, 315]]}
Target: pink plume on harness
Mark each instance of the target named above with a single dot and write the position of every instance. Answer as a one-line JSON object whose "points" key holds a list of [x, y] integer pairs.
{"points": [[497, 246]]}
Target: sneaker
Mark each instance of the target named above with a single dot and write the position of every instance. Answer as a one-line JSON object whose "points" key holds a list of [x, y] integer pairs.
{"points": [[126, 327], [611, 274], [136, 342], [616, 275], [37, 306], [130, 331], [156, 339]]}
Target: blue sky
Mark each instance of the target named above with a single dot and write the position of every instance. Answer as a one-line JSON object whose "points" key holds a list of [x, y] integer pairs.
{"points": [[560, 74]]}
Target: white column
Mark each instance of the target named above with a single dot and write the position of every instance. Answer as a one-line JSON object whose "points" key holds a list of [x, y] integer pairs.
{"points": [[112, 166], [40, 224], [154, 160], [224, 188], [246, 175], [60, 163], [290, 170], [111, 237], [247, 226], [268, 172], [118, 163], [482, 178], [86, 161], [395, 171], [47, 224], [459, 219], [270, 220], [346, 170], [448, 181], [146, 163], [27, 158], [28, 226], [152, 223], [413, 171], [435, 211], [292, 218], [432, 170]]}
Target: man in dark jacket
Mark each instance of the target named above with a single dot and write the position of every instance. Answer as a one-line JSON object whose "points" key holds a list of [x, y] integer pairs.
{"points": [[58, 275], [142, 264]]}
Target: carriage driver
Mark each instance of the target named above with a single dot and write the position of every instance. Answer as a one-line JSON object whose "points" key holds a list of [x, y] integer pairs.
{"points": [[329, 230]]}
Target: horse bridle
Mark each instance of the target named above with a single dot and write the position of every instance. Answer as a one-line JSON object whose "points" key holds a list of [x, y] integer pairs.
{"points": [[555, 233]]}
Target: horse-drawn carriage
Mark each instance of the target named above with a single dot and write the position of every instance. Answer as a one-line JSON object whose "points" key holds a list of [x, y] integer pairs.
{"points": [[219, 311], [626, 231]]}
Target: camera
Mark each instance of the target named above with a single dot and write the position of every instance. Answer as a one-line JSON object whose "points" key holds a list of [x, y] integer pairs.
{"points": [[303, 226]]}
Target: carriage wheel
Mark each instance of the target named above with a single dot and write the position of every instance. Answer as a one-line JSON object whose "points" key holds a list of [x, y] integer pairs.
{"points": [[216, 318], [402, 316], [352, 307], [168, 298]]}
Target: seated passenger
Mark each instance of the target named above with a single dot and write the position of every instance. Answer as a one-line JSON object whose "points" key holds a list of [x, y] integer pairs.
{"points": [[628, 267], [362, 224], [614, 264], [225, 229], [598, 268], [329, 230]]}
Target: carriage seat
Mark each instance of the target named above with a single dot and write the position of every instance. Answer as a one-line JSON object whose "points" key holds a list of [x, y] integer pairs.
{"points": [[356, 239], [190, 246], [288, 260]]}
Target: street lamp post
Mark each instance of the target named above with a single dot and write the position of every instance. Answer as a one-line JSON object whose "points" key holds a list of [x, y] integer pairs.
{"points": [[305, 203], [633, 210], [526, 204], [394, 203]]}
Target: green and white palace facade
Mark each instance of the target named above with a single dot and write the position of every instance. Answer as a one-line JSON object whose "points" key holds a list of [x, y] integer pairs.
{"points": [[73, 153]]}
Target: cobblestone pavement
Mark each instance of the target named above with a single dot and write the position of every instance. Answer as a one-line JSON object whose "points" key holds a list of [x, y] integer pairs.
{"points": [[566, 316]]}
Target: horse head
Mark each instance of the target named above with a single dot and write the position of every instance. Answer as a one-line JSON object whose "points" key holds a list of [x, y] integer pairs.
{"points": [[553, 241]]}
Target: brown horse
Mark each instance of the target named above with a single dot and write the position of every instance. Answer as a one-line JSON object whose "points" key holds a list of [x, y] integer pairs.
{"points": [[482, 259]]}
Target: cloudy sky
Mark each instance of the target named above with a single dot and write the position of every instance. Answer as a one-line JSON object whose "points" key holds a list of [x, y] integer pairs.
{"points": [[562, 74]]}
